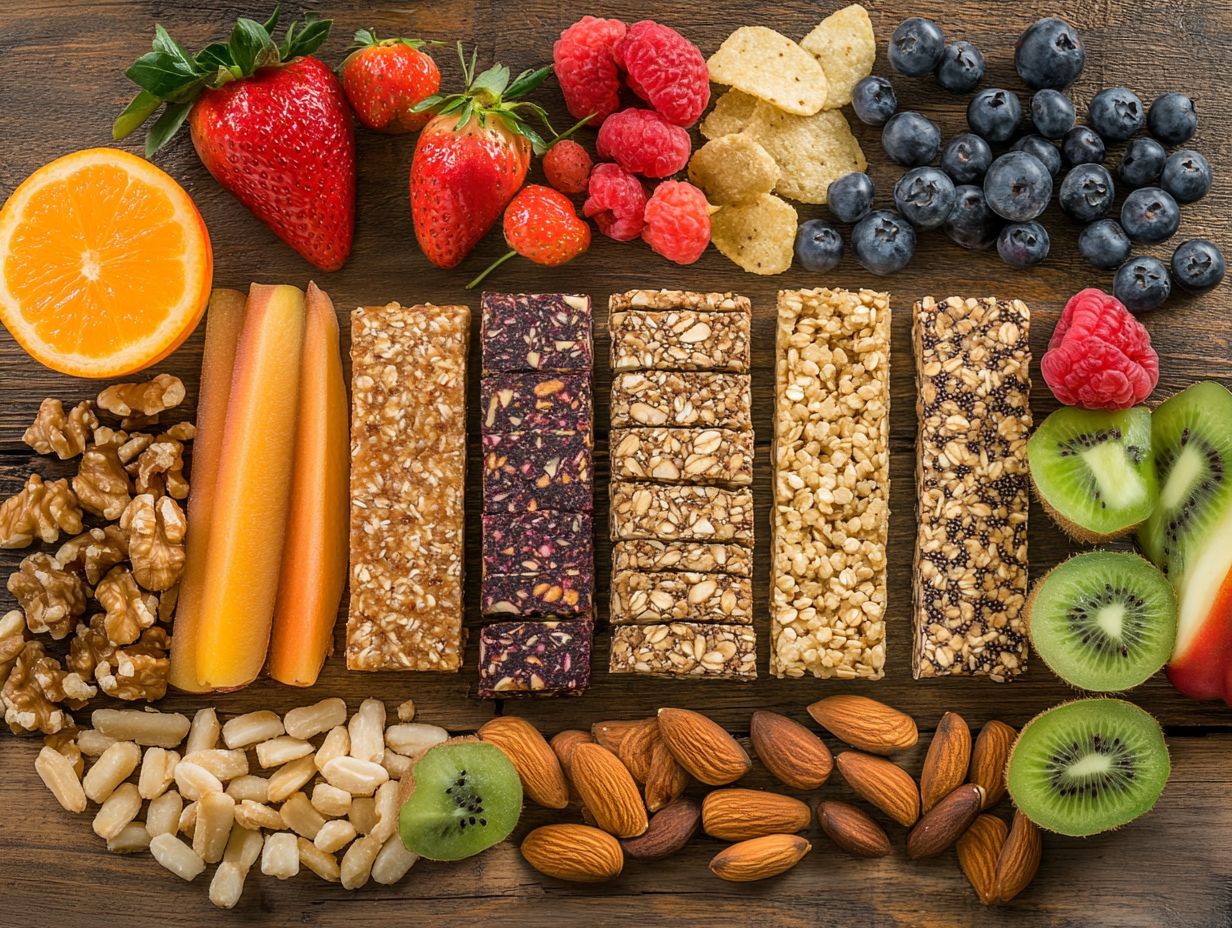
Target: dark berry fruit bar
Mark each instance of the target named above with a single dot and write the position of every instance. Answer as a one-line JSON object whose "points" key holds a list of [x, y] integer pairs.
{"points": [[534, 658]]}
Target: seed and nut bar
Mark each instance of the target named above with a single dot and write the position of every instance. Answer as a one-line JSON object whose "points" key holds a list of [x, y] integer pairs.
{"points": [[832, 480], [541, 542], [679, 299], [973, 362], [408, 474], [680, 340], [681, 649], [644, 598], [681, 399], [536, 402], [534, 658], [696, 557], [721, 456], [681, 513], [526, 471], [539, 594], [536, 332]]}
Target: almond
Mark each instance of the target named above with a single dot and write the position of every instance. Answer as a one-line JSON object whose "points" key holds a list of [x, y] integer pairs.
{"points": [[671, 828], [703, 747], [796, 756], [865, 723], [666, 780], [1019, 858], [739, 814], [759, 858], [577, 853], [852, 829], [945, 822], [636, 747], [532, 757], [884, 784], [977, 855], [945, 765], [563, 743], [608, 791], [611, 733], [988, 759]]}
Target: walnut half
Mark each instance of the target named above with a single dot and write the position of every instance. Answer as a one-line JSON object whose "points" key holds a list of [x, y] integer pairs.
{"points": [[94, 552], [156, 531], [102, 482], [40, 510], [129, 610], [166, 391], [64, 435], [50, 596], [35, 687], [138, 671]]}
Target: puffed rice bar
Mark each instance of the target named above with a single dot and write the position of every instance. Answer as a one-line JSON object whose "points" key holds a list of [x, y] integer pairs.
{"points": [[646, 598], [681, 513], [699, 557], [662, 455], [681, 399], [680, 340], [682, 649]]}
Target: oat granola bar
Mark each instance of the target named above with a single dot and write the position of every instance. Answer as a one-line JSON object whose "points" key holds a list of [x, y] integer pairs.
{"points": [[408, 469], [681, 513], [831, 486], [681, 399], [643, 598], [719, 456], [973, 362], [541, 542], [666, 556], [527, 471], [682, 649], [536, 402], [538, 594], [678, 299], [680, 340], [534, 658], [536, 332]]}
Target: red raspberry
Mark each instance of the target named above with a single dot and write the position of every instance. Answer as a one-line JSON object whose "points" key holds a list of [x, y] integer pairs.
{"points": [[567, 166], [585, 66], [616, 202], [643, 142], [666, 70], [1100, 356], [677, 221]]}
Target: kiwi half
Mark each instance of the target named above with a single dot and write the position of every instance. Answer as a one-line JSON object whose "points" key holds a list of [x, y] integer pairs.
{"points": [[1093, 471], [1103, 621], [1088, 766]]}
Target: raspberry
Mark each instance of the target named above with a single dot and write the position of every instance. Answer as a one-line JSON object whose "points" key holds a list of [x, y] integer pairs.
{"points": [[1100, 356], [666, 70], [585, 66], [616, 202], [567, 166], [677, 221], [643, 142]]}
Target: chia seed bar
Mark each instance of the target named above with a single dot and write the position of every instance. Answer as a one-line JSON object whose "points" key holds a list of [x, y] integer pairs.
{"points": [[685, 650], [680, 340], [536, 402], [973, 362], [720, 456], [529, 471], [678, 299], [681, 399], [541, 542], [664, 556], [681, 513], [536, 332], [644, 598], [538, 594], [534, 659]]}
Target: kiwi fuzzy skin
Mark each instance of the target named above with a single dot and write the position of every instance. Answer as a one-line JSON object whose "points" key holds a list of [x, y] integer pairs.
{"points": [[1073, 529]]}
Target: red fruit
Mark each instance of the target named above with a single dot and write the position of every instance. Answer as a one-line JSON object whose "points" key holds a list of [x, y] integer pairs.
{"points": [[586, 67], [385, 79], [1100, 355], [567, 166], [617, 202], [541, 224], [677, 221], [666, 70], [643, 142]]}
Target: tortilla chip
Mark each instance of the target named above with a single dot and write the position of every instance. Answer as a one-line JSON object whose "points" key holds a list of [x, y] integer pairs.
{"points": [[844, 46], [733, 169], [759, 235], [731, 113], [771, 67], [811, 151]]}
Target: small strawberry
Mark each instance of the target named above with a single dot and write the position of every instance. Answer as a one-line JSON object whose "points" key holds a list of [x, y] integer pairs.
{"points": [[566, 165], [542, 225], [385, 79]]}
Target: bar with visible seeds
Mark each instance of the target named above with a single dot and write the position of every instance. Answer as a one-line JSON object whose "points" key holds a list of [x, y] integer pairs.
{"points": [[679, 299], [692, 556], [537, 594], [680, 340], [527, 471], [973, 363], [541, 542], [646, 598], [830, 514], [681, 399], [536, 332], [681, 513], [536, 402], [683, 649], [534, 658], [663, 455], [408, 473]]}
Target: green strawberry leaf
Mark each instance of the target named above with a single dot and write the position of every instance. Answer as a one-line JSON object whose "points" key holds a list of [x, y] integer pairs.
{"points": [[165, 76], [465, 116], [138, 111], [272, 23], [363, 38], [310, 36], [165, 127], [163, 42], [215, 56], [428, 103], [526, 82], [491, 82], [251, 46]]}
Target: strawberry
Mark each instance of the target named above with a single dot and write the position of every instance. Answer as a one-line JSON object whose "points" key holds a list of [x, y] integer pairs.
{"points": [[384, 79], [541, 224], [269, 121], [471, 159]]}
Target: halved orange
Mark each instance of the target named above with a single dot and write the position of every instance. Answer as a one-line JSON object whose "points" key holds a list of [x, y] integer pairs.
{"points": [[105, 264]]}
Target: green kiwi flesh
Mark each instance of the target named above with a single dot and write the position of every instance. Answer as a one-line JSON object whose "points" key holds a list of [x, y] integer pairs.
{"points": [[1088, 766], [1103, 620]]}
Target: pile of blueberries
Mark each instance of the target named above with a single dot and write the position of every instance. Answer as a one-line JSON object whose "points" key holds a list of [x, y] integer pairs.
{"points": [[978, 199]]}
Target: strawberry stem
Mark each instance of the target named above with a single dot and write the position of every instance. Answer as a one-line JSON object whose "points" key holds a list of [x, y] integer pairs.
{"points": [[489, 269]]}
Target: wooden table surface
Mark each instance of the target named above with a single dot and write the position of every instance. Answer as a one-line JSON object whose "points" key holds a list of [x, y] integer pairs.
{"points": [[62, 86]]}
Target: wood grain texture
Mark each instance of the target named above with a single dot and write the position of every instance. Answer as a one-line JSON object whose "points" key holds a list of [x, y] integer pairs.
{"points": [[1174, 867]]}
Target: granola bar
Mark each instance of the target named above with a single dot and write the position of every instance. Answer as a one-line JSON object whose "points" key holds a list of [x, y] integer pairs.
{"points": [[536, 332], [680, 340], [644, 598], [831, 489], [538, 594], [534, 659], [666, 556], [536, 402], [681, 513], [527, 471], [408, 470], [720, 456], [678, 299], [682, 649], [681, 399], [973, 362], [541, 542]]}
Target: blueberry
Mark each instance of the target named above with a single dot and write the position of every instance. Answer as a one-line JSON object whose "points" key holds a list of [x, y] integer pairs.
{"points": [[1082, 145], [1186, 175], [1104, 244], [1049, 54], [874, 101], [966, 158], [1047, 152], [916, 46], [850, 197], [1172, 118], [1023, 244], [1198, 265], [1115, 113], [1150, 215], [1087, 192], [994, 114], [1018, 186], [819, 246], [1052, 112], [971, 223], [1142, 284], [961, 67], [883, 242], [1142, 162], [911, 138], [925, 197]]}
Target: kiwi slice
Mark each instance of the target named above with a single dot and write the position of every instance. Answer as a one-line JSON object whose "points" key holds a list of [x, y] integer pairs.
{"points": [[1088, 766], [464, 797], [1093, 470], [1104, 620]]}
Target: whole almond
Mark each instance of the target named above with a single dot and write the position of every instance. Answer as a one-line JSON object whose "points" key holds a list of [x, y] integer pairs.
{"points": [[666, 780], [577, 853], [739, 814], [636, 747], [988, 759], [946, 822], [532, 757], [563, 743], [671, 828], [608, 791], [883, 783], [852, 829], [1019, 858], [759, 858], [796, 756], [703, 747], [945, 765], [865, 723], [611, 733], [977, 855]]}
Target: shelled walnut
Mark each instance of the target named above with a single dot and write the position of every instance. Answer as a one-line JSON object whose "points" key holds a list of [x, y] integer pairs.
{"points": [[102, 483], [55, 432], [94, 552], [136, 672], [39, 510], [34, 688], [50, 596], [149, 399], [129, 610], [156, 530], [160, 469]]}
